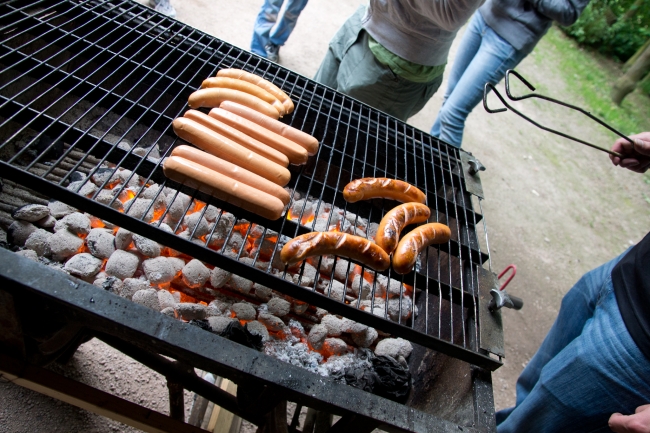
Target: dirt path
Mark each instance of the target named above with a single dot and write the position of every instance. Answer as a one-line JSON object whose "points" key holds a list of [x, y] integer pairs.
{"points": [[553, 207]]}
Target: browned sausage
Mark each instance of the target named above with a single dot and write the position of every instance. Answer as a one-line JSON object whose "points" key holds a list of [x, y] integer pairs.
{"points": [[295, 153], [264, 84], [213, 96], [217, 145], [341, 244], [224, 188], [415, 241], [289, 132], [381, 187], [246, 87], [395, 220], [233, 171], [238, 137]]}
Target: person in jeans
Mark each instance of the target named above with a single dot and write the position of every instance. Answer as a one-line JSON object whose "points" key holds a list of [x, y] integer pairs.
{"points": [[392, 54], [271, 32], [595, 359], [499, 36]]}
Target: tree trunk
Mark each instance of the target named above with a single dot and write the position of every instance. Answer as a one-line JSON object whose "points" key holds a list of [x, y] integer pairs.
{"points": [[629, 80], [635, 56]]}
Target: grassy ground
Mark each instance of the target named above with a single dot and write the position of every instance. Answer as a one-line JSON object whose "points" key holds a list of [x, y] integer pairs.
{"points": [[588, 74]]}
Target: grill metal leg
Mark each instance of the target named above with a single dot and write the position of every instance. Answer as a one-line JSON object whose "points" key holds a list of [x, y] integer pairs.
{"points": [[176, 401]]}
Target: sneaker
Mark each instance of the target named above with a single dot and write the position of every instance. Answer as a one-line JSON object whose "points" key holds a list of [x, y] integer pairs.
{"points": [[164, 7], [272, 52]]}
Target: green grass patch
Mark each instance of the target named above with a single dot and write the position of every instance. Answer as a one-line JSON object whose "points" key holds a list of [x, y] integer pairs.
{"points": [[586, 75]]}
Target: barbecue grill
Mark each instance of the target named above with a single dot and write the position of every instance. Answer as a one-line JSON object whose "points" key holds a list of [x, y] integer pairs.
{"points": [[81, 78]]}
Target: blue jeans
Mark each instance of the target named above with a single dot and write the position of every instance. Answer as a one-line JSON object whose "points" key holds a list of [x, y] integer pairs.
{"points": [[269, 29], [482, 56], [587, 367]]}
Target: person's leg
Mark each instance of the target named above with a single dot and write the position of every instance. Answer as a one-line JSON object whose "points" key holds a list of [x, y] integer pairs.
{"points": [[494, 57], [344, 38], [264, 22], [600, 372], [287, 22], [467, 49]]}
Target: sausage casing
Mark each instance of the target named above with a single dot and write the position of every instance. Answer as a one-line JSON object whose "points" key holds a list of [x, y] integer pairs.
{"points": [[232, 171], [368, 188], [213, 96], [238, 137], [305, 140], [246, 87], [415, 241], [392, 224], [222, 187], [296, 153], [354, 247], [264, 84], [218, 145]]}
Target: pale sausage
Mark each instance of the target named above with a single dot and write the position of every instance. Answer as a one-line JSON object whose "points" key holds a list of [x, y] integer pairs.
{"points": [[217, 145], [295, 153], [216, 184], [264, 84], [238, 137], [289, 132], [233, 171], [246, 87], [212, 97]]}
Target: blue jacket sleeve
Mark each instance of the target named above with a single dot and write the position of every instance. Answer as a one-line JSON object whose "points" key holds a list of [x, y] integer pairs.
{"points": [[565, 12]]}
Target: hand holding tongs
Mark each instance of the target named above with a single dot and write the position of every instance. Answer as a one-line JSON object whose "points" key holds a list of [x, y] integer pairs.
{"points": [[489, 87]]}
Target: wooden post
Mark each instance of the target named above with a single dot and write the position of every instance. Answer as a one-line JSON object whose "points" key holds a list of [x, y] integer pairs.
{"points": [[88, 398]]}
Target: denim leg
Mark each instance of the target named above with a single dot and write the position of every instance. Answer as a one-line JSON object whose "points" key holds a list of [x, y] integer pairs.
{"points": [[264, 22], [287, 22], [600, 372], [494, 57], [467, 49], [587, 368]]}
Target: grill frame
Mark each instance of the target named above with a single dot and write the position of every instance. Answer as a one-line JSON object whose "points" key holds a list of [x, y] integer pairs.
{"points": [[146, 333], [341, 114]]}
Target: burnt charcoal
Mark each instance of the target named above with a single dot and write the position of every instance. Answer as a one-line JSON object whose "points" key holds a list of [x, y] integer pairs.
{"points": [[42, 144], [362, 378], [387, 377], [394, 378], [77, 176], [239, 334], [201, 323]]}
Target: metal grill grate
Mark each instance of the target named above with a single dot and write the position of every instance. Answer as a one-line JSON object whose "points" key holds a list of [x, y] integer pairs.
{"points": [[78, 77]]}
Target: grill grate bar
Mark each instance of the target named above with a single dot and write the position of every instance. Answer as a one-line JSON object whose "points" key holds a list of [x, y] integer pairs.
{"points": [[119, 75]]}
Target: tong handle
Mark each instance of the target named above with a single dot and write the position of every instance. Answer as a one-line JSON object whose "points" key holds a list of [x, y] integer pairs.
{"points": [[489, 86]]}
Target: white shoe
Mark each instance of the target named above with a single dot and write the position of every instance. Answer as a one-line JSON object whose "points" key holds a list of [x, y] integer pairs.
{"points": [[164, 7]]}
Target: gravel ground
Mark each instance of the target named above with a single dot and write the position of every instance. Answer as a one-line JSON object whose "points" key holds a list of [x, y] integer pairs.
{"points": [[554, 208]]}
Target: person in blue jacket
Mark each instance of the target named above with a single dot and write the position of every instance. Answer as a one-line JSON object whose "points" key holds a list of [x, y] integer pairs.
{"points": [[499, 36], [273, 26]]}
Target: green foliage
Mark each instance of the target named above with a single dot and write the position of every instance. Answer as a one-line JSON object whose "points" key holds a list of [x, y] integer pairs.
{"points": [[603, 26], [593, 83]]}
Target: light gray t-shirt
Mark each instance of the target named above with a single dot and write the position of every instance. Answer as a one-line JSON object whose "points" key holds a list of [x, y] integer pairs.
{"points": [[420, 31]]}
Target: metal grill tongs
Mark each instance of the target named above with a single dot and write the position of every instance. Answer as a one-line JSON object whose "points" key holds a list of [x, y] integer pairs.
{"points": [[510, 72]]}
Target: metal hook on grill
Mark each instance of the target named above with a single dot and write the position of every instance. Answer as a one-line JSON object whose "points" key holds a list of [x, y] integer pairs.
{"points": [[501, 298], [489, 87]]}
